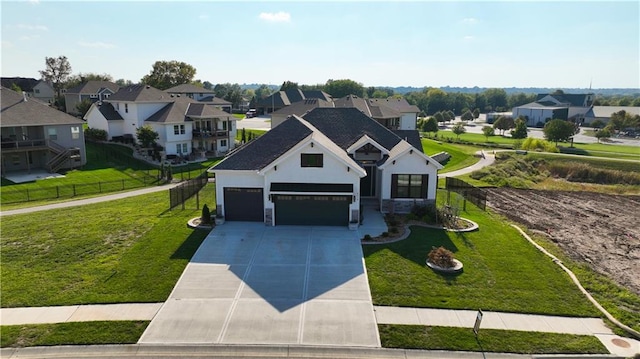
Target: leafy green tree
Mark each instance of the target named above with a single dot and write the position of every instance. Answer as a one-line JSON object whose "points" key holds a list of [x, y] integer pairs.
{"points": [[452, 116], [496, 98], [558, 130], [488, 131], [476, 113], [622, 120], [437, 100], [341, 88], [597, 124], [458, 129], [467, 116], [16, 88], [57, 72], [263, 91], [147, 136], [207, 85], [430, 125], [439, 117], [480, 101], [81, 78], [123, 82], [520, 130], [504, 123], [167, 74], [289, 85], [83, 107], [603, 134]]}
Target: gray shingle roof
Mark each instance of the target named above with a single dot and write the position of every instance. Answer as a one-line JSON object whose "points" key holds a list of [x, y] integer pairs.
{"points": [[286, 98], [345, 126], [107, 110], [203, 110], [411, 136], [188, 88], [265, 149], [17, 112], [573, 99], [92, 87], [303, 106], [140, 93], [215, 100], [398, 104]]}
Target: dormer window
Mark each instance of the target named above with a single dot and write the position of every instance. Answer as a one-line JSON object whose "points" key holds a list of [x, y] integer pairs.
{"points": [[311, 160]]}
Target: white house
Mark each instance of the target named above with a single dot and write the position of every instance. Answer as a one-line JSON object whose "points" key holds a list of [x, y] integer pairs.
{"points": [[316, 169], [555, 106], [185, 126]]}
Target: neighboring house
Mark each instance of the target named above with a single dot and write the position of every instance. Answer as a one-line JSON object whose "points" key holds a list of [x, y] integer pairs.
{"points": [[550, 106], [603, 113], [394, 114], [316, 169], [37, 89], [298, 108], [186, 127], [200, 94], [282, 99], [36, 136], [93, 91]]}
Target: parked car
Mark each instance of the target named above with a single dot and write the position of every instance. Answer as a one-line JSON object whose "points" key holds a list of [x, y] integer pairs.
{"points": [[251, 113]]}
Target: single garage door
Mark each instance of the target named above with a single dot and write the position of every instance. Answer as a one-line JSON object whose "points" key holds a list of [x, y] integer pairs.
{"points": [[312, 210], [243, 204]]}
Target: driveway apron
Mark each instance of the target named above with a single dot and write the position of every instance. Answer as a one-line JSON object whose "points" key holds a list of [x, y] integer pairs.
{"points": [[251, 284]]}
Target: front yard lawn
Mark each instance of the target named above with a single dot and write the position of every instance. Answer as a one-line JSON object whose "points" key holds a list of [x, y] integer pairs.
{"points": [[502, 272], [129, 250], [74, 333], [489, 340]]}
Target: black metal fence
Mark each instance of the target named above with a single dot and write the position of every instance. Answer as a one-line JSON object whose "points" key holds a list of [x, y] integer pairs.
{"points": [[10, 195], [185, 190], [470, 193]]}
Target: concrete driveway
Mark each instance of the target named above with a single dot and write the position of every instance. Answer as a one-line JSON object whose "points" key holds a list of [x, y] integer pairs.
{"points": [[251, 284]]}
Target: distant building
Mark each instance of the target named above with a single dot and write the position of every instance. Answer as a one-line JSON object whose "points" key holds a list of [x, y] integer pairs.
{"points": [[37, 136], [91, 91], [282, 99], [37, 89], [547, 107], [200, 94], [603, 113]]}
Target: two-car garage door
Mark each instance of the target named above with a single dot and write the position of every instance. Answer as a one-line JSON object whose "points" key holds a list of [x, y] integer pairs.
{"points": [[312, 210]]}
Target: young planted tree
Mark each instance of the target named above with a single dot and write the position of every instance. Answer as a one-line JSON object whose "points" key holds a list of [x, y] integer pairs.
{"points": [[458, 129], [467, 116], [504, 123], [439, 117], [206, 215], [83, 107], [558, 130], [147, 136], [597, 124], [520, 131], [603, 134], [488, 131], [476, 113], [430, 125]]}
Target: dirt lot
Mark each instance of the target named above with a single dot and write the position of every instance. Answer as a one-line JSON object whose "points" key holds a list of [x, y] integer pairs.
{"points": [[599, 229]]}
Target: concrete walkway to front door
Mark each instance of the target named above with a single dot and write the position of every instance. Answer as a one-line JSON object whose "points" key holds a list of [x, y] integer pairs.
{"points": [[251, 284]]}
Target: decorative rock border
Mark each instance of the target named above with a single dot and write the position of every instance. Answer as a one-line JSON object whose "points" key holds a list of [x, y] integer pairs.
{"points": [[454, 270], [407, 231], [473, 227], [194, 224]]}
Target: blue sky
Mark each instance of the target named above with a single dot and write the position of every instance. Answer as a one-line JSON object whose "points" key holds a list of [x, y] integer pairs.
{"points": [[420, 43]]}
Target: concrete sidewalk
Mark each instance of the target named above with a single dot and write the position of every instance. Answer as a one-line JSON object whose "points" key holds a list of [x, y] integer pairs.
{"points": [[624, 347], [81, 202], [486, 159]]}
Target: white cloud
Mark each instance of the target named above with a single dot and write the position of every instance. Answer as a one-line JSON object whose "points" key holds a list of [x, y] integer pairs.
{"points": [[280, 16], [468, 38], [7, 44], [203, 17], [33, 2], [96, 45], [32, 27], [470, 20], [29, 37]]}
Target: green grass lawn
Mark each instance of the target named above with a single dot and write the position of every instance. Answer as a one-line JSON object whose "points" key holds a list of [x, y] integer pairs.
{"points": [[239, 116], [502, 272], [461, 155], [248, 132], [76, 333], [489, 340], [129, 250]]}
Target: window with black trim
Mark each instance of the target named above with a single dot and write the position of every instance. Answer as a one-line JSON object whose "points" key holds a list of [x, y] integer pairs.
{"points": [[311, 160], [409, 186]]}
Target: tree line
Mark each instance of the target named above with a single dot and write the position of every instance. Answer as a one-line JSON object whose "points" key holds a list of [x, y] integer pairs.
{"points": [[430, 101]]}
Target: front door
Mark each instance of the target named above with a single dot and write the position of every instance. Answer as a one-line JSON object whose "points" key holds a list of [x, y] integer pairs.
{"points": [[368, 183]]}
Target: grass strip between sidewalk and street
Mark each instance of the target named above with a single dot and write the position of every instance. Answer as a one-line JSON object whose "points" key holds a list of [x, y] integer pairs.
{"points": [[488, 340], [73, 333]]}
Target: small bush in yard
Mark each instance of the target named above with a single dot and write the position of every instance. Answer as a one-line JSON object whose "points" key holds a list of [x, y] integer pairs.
{"points": [[206, 215], [367, 237], [441, 257]]}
